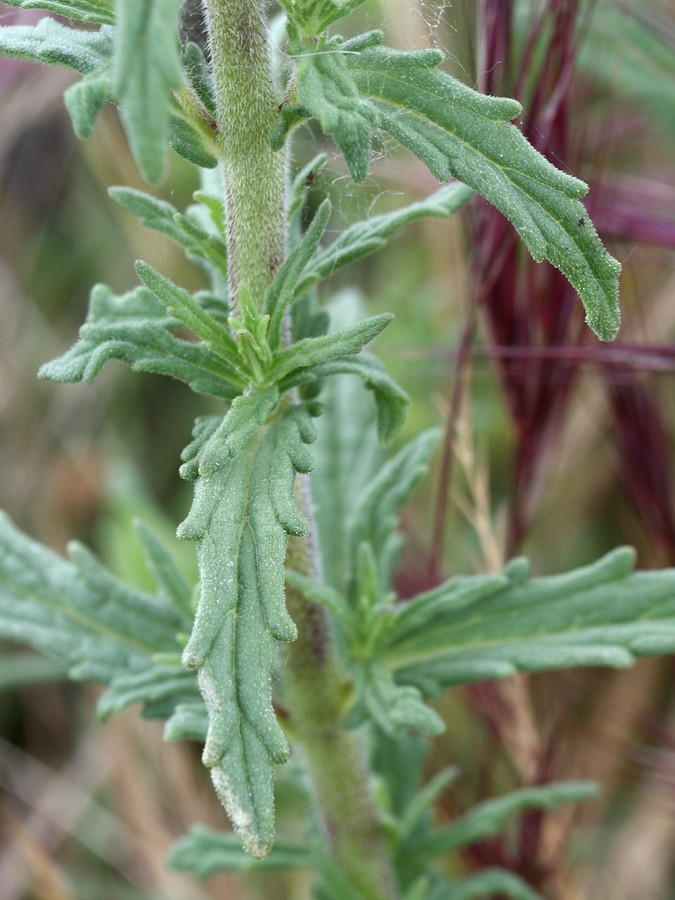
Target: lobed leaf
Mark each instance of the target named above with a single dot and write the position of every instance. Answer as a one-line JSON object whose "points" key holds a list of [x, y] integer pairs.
{"points": [[351, 87], [603, 614], [135, 329], [86, 98], [391, 401], [242, 512], [55, 44], [204, 852], [372, 234], [189, 721], [152, 686], [146, 70], [376, 514], [79, 614], [392, 707], [313, 17], [307, 352], [489, 817], [206, 249], [93, 12]]}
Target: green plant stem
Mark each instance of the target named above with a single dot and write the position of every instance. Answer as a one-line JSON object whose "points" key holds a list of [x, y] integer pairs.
{"points": [[254, 175], [315, 693], [314, 684]]}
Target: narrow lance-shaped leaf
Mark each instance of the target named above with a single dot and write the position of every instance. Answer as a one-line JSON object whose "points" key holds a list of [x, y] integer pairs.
{"points": [[371, 234], [146, 69], [375, 517], [316, 351], [242, 512], [456, 132], [603, 615], [489, 818]]}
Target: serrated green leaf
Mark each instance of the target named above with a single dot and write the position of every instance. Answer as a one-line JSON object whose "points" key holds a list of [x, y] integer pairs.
{"points": [[77, 613], [489, 817], [458, 132], [94, 12], [207, 250], [317, 351], [328, 92], [204, 852], [55, 44], [371, 234], [189, 721], [283, 289], [391, 401], [242, 512], [153, 686], [85, 99], [135, 329], [146, 69], [312, 17], [392, 707], [603, 614], [375, 516], [184, 306], [168, 577]]}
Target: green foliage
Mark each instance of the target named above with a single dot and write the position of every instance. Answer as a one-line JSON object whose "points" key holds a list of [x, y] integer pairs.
{"points": [[145, 70], [55, 44], [204, 852], [136, 329], [312, 17], [242, 511], [352, 87], [79, 615], [264, 356], [205, 248], [94, 12], [602, 615]]}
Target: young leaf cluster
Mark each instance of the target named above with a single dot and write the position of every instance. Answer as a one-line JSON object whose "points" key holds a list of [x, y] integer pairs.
{"points": [[243, 462]]}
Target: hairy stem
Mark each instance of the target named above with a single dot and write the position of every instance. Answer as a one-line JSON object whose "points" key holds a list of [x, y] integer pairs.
{"points": [[254, 175], [314, 684], [315, 694]]}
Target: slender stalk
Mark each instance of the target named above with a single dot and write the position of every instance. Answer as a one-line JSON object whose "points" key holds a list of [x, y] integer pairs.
{"points": [[254, 175], [314, 683], [315, 694]]}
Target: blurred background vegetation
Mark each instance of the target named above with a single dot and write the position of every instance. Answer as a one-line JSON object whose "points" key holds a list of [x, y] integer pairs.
{"points": [[555, 446]]}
